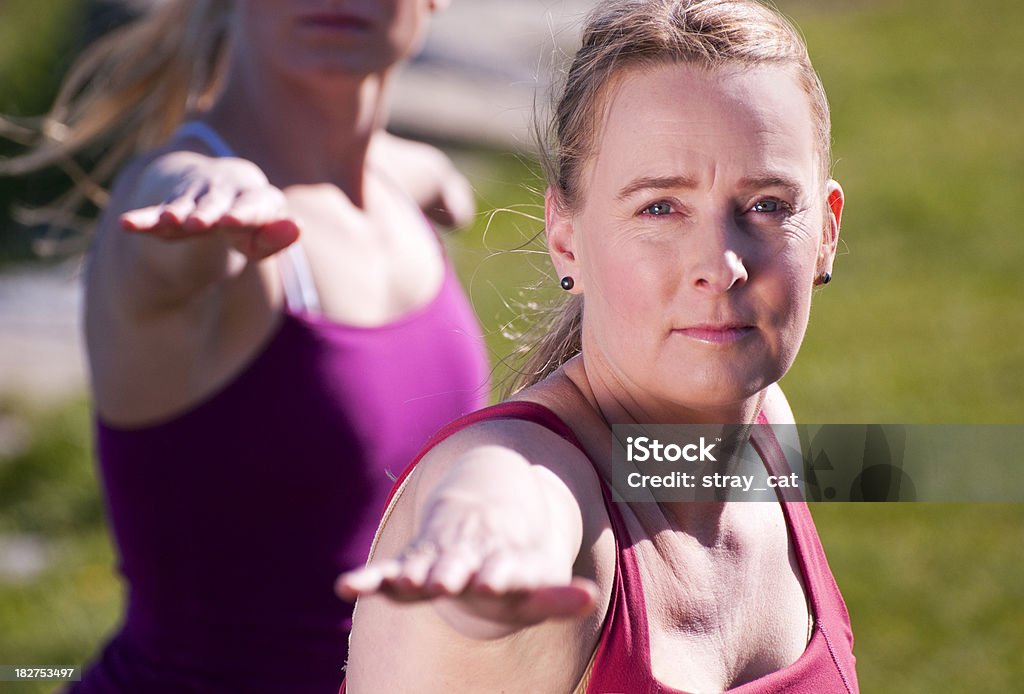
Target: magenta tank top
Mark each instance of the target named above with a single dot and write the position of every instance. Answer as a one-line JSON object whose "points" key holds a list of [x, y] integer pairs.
{"points": [[234, 519], [622, 661]]}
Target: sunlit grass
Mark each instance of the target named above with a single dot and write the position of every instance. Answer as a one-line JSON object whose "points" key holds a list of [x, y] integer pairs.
{"points": [[934, 592], [58, 592]]}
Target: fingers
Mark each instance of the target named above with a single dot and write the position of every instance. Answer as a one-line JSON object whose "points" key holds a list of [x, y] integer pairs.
{"points": [[452, 572], [256, 220], [419, 572], [512, 588], [502, 573], [256, 207], [201, 211], [142, 219], [363, 581], [209, 210], [167, 218], [260, 242], [556, 602], [177, 211]]}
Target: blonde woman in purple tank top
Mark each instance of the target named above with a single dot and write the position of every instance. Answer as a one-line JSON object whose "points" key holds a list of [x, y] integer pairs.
{"points": [[273, 327], [691, 215]]}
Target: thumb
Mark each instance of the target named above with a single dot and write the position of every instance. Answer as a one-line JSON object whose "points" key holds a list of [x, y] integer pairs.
{"points": [[556, 602]]}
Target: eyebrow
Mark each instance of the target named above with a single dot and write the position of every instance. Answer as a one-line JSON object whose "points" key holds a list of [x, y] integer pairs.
{"points": [[754, 182], [656, 183], [771, 180]]}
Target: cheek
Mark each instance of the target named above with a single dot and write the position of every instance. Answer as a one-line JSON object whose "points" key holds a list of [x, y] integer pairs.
{"points": [[408, 28], [625, 274], [786, 293], [795, 253], [611, 287], [781, 271]]}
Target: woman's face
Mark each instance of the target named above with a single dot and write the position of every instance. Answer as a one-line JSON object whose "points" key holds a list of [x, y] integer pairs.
{"points": [[702, 227], [347, 37]]}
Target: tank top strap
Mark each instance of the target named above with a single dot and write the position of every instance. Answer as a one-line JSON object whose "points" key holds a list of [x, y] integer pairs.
{"points": [[207, 135], [514, 409], [622, 658], [828, 609], [300, 292]]}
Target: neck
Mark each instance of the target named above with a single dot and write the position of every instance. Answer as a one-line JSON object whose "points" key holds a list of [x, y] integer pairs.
{"points": [[303, 132], [617, 405], [704, 521]]}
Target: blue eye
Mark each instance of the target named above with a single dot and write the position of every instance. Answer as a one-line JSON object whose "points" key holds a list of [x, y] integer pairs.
{"points": [[658, 209], [770, 206]]}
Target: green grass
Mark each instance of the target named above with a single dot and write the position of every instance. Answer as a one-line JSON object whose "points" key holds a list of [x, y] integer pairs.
{"points": [[923, 323], [501, 259], [923, 320], [29, 65], [49, 499], [934, 592]]}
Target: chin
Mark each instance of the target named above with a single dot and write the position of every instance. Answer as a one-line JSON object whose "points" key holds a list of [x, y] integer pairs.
{"points": [[336, 62]]}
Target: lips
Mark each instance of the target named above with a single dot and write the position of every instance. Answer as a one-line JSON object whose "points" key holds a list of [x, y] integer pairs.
{"points": [[334, 20], [717, 334]]}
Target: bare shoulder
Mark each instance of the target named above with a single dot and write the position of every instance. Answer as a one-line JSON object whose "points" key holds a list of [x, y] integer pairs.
{"points": [[776, 407], [511, 441], [428, 176], [131, 265], [148, 179], [421, 156]]}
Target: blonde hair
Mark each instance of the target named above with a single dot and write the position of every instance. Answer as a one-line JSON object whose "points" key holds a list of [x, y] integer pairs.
{"points": [[126, 93], [623, 34]]}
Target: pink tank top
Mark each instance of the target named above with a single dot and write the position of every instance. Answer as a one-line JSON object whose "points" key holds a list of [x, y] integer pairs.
{"points": [[622, 661]]}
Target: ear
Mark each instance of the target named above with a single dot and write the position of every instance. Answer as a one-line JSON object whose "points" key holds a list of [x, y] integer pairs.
{"points": [[830, 234], [558, 227]]}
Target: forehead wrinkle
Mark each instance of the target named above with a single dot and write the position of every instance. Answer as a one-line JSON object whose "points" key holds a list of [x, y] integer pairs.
{"points": [[657, 183]]}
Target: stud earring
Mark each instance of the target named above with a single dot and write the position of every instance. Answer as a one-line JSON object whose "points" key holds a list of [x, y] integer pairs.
{"points": [[567, 283], [825, 277]]}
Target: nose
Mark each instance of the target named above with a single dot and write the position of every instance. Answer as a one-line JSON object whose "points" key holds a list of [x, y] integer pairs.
{"points": [[717, 264]]}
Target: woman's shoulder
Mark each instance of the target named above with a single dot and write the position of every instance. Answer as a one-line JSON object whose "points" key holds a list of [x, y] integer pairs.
{"points": [[534, 426], [428, 176], [553, 408], [523, 429]]}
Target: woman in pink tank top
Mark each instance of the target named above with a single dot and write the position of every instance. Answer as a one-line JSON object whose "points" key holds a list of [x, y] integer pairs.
{"points": [[690, 215], [273, 326]]}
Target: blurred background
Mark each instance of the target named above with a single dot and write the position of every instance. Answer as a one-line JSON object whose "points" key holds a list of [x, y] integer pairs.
{"points": [[923, 322]]}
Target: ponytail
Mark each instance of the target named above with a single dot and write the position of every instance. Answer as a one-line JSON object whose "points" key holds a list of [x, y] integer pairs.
{"points": [[125, 94], [556, 338]]}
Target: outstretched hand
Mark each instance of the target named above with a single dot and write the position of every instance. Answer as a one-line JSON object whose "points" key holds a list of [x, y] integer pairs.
{"points": [[480, 560], [230, 196]]}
